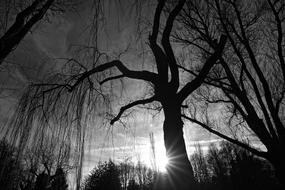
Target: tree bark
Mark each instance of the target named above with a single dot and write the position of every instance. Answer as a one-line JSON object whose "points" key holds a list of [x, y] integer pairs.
{"points": [[180, 172], [277, 159]]}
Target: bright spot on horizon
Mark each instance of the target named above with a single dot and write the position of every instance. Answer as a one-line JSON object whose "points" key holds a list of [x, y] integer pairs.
{"points": [[158, 161], [161, 161]]}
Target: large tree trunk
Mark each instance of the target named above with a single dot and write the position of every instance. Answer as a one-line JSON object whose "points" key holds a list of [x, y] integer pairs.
{"points": [[179, 169], [280, 172], [277, 159]]}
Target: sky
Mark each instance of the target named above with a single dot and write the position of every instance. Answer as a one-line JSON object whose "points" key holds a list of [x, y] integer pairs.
{"points": [[34, 58]]}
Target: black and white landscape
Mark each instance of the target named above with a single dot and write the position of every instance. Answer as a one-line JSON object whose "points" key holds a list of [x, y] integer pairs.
{"points": [[142, 94]]}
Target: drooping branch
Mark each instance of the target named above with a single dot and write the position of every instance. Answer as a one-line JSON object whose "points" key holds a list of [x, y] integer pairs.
{"points": [[234, 141], [140, 75], [167, 46], [130, 105], [194, 84]]}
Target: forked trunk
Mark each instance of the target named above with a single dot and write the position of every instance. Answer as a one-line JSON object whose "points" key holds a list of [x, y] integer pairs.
{"points": [[179, 169]]}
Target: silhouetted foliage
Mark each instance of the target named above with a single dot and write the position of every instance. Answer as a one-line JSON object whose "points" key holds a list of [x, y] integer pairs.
{"points": [[133, 185], [125, 176], [231, 167], [10, 168], [103, 177], [59, 181], [223, 166], [42, 181], [30, 172]]}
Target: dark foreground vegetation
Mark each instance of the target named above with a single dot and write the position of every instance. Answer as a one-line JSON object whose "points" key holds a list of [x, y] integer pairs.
{"points": [[222, 166], [37, 170]]}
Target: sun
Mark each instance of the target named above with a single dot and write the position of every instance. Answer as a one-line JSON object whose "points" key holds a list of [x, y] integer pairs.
{"points": [[157, 160], [161, 161]]}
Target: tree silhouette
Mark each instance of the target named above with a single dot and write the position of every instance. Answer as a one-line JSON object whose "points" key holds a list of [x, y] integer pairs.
{"points": [[199, 164], [244, 85], [232, 167], [104, 176], [59, 181], [133, 185], [42, 181], [10, 168], [168, 91]]}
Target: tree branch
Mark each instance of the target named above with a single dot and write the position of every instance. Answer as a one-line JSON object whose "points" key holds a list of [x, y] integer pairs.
{"points": [[194, 84], [130, 105], [167, 46], [234, 141], [264, 82], [280, 36], [140, 75], [155, 27], [160, 57], [111, 78]]}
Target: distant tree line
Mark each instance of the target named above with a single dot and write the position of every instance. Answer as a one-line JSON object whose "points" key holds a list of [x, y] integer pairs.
{"points": [[223, 166], [227, 166], [125, 176]]}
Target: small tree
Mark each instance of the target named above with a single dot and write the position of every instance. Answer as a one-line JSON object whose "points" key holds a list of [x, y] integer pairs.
{"points": [[42, 181], [103, 177], [59, 181], [133, 185]]}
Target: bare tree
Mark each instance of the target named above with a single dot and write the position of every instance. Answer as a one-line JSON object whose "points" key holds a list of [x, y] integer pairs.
{"points": [[77, 96], [247, 85], [165, 91]]}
